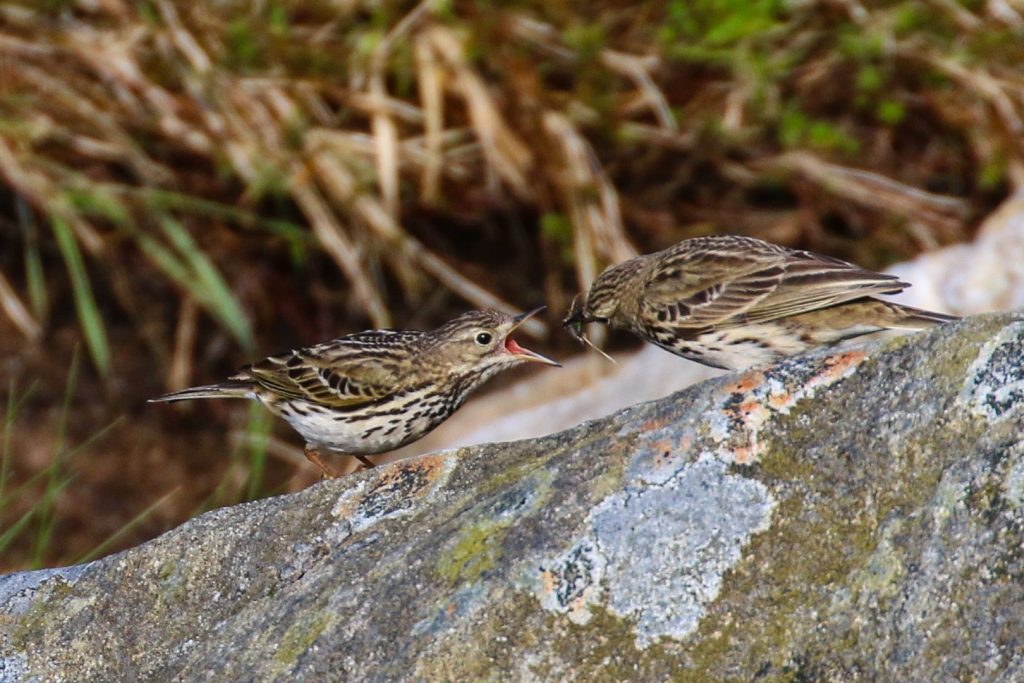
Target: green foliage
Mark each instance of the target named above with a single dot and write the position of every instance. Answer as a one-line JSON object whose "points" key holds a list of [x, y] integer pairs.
{"points": [[890, 112], [870, 79], [243, 48], [97, 200], [277, 20], [182, 261], [796, 129], [586, 40], [860, 44], [557, 228], [56, 479], [85, 302], [697, 28], [35, 275], [258, 429], [913, 16], [105, 546], [993, 172], [38, 523]]}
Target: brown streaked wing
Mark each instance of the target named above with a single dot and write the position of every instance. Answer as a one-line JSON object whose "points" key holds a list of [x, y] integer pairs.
{"points": [[812, 282], [360, 368], [707, 286], [737, 281]]}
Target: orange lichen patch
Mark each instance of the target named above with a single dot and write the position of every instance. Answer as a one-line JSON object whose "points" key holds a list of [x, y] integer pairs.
{"points": [[745, 455], [746, 382], [749, 406], [662, 446], [548, 581], [654, 424], [750, 402], [663, 451], [573, 583], [412, 477], [780, 400], [842, 362], [394, 489], [659, 458]]}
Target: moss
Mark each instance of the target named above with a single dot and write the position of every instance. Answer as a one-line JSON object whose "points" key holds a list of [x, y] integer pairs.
{"points": [[604, 650], [610, 479], [772, 590], [476, 550], [300, 636], [166, 570], [507, 498], [786, 465], [52, 598], [601, 650]]}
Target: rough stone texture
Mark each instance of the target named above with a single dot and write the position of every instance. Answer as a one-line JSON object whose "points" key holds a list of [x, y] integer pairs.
{"points": [[847, 516]]}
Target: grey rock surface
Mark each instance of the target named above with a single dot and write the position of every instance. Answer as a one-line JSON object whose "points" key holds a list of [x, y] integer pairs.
{"points": [[852, 515]]}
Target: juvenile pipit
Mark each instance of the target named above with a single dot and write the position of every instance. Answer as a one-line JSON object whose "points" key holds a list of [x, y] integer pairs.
{"points": [[732, 302], [375, 391]]}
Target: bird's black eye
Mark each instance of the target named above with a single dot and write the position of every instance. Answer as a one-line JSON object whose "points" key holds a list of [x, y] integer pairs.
{"points": [[484, 338]]}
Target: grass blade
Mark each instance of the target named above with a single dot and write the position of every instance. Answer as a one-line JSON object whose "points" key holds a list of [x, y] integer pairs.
{"points": [[138, 519], [34, 273], [55, 481], [259, 428], [208, 285], [13, 406], [85, 303]]}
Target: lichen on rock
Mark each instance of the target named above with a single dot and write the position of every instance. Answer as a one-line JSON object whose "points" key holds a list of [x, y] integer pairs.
{"points": [[853, 514]]}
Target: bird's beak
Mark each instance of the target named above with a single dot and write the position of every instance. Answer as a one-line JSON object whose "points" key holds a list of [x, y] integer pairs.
{"points": [[516, 350], [523, 317], [573, 323]]}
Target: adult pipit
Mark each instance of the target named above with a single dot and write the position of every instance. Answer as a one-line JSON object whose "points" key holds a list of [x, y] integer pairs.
{"points": [[732, 302], [375, 391]]}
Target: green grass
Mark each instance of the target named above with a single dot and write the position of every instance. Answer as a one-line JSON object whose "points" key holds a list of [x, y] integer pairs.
{"points": [[105, 546], [37, 525], [85, 302], [259, 427]]}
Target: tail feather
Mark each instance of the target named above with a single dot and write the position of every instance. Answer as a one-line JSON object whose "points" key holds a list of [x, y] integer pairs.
{"points": [[910, 318], [228, 389]]}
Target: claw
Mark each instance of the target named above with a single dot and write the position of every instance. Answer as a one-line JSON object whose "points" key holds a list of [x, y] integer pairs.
{"points": [[313, 455]]}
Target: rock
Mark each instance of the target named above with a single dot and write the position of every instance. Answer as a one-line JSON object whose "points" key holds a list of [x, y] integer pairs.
{"points": [[851, 515]]}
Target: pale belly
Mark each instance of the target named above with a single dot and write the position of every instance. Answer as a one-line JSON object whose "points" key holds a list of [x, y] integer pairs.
{"points": [[364, 432], [740, 348]]}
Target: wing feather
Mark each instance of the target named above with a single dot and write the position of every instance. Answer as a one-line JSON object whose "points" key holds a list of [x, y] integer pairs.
{"points": [[729, 282], [349, 371], [706, 286]]}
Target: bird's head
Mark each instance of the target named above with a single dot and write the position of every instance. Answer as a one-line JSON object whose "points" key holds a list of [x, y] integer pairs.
{"points": [[601, 304], [482, 340]]}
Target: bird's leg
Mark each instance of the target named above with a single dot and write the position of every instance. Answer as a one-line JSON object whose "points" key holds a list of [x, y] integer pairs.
{"points": [[367, 463], [313, 455]]}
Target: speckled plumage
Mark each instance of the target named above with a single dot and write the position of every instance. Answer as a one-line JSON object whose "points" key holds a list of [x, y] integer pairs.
{"points": [[733, 302], [375, 391]]}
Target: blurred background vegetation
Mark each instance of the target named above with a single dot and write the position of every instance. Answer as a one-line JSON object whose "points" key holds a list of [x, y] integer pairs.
{"points": [[186, 186]]}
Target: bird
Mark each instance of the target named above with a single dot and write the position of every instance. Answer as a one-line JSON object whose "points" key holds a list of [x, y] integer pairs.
{"points": [[374, 391], [734, 302]]}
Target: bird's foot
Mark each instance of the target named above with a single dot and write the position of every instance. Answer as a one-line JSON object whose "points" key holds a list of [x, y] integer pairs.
{"points": [[313, 455], [367, 463]]}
